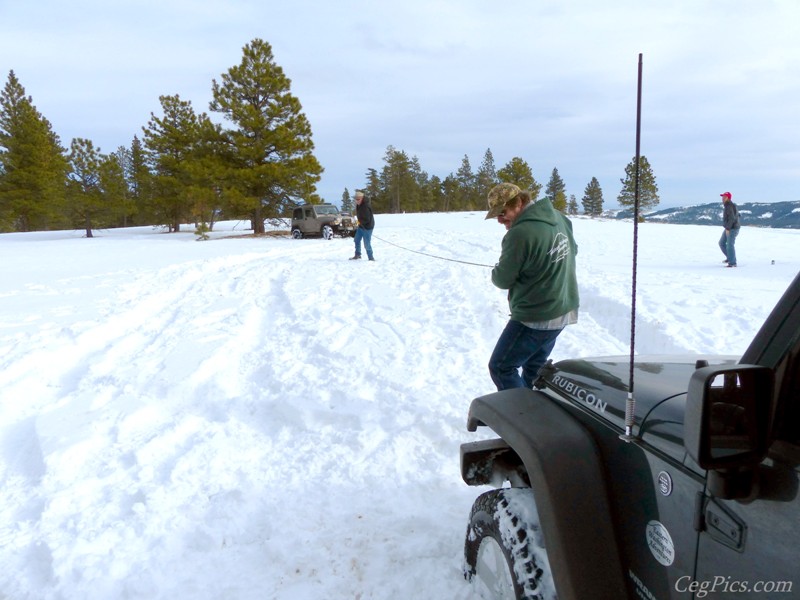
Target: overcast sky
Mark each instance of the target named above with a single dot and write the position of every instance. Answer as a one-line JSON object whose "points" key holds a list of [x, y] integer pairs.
{"points": [[550, 81]]}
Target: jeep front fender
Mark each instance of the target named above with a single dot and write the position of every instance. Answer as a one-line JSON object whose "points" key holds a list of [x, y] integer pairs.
{"points": [[567, 474]]}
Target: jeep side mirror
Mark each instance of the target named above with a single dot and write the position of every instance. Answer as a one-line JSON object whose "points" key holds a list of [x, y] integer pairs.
{"points": [[727, 416]]}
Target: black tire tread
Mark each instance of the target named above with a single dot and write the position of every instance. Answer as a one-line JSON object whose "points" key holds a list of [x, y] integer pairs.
{"points": [[483, 522]]}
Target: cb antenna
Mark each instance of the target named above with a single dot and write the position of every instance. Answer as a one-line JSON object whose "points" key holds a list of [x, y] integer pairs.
{"points": [[630, 403]]}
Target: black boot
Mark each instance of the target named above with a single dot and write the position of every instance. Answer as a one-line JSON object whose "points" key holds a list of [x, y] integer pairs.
{"points": [[356, 257]]}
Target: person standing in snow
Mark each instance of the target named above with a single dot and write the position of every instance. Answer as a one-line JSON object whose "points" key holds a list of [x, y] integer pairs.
{"points": [[730, 221], [366, 223], [537, 267]]}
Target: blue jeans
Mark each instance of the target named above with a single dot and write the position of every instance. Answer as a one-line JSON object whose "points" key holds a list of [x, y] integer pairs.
{"points": [[520, 346], [727, 243], [366, 235]]}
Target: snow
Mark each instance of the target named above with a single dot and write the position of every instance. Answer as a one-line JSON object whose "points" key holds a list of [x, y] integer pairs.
{"points": [[261, 418]]}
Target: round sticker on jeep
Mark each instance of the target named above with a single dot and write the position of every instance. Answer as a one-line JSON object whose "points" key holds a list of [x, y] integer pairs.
{"points": [[660, 543], [665, 483]]}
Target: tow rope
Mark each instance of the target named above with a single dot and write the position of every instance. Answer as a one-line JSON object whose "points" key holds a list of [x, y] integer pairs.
{"points": [[463, 262]]}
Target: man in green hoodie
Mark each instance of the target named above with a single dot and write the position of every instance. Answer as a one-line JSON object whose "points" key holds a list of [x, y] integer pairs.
{"points": [[537, 267]]}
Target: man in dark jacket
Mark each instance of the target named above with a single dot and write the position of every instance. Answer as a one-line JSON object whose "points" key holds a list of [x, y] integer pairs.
{"points": [[366, 223], [730, 221], [537, 267]]}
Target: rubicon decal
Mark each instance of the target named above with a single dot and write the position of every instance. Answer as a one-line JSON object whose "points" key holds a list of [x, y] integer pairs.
{"points": [[579, 393]]}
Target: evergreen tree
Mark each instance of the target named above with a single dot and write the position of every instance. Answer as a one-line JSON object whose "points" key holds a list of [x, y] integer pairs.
{"points": [[560, 202], [434, 194], [348, 205], [416, 200], [554, 186], [592, 200], [33, 165], [572, 205], [273, 160], [450, 192], [83, 189], [140, 183], [189, 159], [467, 197], [171, 142], [208, 174], [486, 177], [397, 179], [518, 172], [374, 192], [128, 207], [648, 189], [114, 189]]}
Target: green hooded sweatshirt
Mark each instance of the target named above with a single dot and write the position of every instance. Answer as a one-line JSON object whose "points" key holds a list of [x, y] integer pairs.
{"points": [[537, 265]]}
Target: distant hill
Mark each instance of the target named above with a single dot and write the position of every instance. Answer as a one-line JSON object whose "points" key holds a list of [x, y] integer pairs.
{"points": [[784, 215]]}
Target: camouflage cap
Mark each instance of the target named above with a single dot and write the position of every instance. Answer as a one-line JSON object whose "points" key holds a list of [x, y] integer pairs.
{"points": [[499, 196]]}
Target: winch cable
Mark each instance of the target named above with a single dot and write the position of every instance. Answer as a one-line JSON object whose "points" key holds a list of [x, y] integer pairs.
{"points": [[463, 262], [630, 403]]}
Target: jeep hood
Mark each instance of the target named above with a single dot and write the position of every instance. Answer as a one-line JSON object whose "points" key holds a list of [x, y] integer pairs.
{"points": [[600, 385]]}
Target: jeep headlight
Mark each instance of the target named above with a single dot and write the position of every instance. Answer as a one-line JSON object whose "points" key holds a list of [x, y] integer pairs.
{"points": [[337, 221]]}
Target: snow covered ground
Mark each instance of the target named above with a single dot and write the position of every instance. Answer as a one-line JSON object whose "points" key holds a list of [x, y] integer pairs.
{"points": [[260, 418]]}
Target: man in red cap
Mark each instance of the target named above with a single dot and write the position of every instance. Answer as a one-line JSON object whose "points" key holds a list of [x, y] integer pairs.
{"points": [[730, 221]]}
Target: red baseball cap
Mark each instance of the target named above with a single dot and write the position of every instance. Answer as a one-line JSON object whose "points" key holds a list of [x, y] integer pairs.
{"points": [[728, 194]]}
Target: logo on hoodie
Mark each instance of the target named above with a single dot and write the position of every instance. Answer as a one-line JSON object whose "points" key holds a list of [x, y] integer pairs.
{"points": [[560, 248]]}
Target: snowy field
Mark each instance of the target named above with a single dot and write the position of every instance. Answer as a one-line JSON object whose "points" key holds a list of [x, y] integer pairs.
{"points": [[260, 418]]}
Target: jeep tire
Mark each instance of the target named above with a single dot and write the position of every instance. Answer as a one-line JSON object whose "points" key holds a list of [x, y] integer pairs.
{"points": [[296, 233], [504, 549], [327, 232]]}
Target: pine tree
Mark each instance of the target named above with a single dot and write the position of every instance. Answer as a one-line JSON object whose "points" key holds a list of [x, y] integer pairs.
{"points": [[592, 200], [83, 189], [273, 164], [434, 194], [208, 174], [397, 180], [518, 172], [560, 202], [33, 165], [114, 189], [572, 205], [554, 186], [450, 191], [486, 177], [140, 183], [348, 205], [128, 207], [467, 197], [416, 200], [171, 142], [648, 189], [374, 192]]}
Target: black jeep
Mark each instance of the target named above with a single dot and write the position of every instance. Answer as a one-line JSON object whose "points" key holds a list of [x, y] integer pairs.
{"points": [[695, 496]]}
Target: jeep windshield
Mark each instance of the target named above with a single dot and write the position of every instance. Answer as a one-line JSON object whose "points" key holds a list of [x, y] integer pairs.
{"points": [[327, 210]]}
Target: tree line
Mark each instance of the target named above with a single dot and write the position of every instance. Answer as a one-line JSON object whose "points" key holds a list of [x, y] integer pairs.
{"points": [[403, 186], [187, 168]]}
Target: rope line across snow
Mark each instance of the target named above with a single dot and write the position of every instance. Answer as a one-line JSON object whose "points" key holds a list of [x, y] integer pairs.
{"points": [[463, 262]]}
